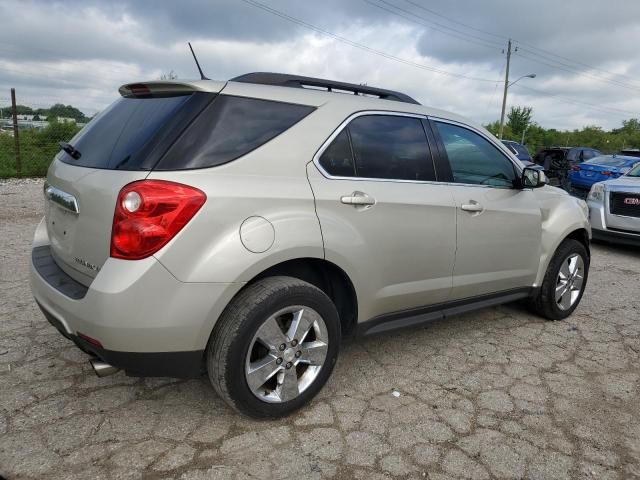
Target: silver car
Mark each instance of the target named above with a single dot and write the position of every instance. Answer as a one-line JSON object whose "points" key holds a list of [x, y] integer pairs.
{"points": [[614, 208], [242, 228]]}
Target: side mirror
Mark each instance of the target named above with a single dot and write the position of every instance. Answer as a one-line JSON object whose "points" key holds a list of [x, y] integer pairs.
{"points": [[533, 178]]}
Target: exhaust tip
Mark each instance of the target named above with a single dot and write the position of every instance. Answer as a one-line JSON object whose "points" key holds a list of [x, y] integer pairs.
{"points": [[102, 369]]}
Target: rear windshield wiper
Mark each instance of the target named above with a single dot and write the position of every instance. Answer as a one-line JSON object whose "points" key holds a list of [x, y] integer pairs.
{"points": [[67, 147]]}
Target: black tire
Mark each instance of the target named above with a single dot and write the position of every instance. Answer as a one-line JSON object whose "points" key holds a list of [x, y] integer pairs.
{"points": [[230, 341], [544, 301]]}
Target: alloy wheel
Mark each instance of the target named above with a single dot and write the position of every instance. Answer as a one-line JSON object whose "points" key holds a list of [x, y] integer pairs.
{"points": [[569, 281], [286, 354]]}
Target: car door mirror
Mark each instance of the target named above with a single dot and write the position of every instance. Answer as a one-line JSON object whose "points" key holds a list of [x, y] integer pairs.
{"points": [[533, 178]]}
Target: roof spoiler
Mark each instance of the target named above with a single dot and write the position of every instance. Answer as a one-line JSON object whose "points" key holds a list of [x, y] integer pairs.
{"points": [[156, 89]]}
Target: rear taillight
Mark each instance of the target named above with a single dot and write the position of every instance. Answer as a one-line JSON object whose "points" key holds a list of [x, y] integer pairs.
{"points": [[575, 168], [148, 214], [605, 172]]}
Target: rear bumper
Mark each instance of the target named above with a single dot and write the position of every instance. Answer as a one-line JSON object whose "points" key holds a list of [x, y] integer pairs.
{"points": [[147, 321], [138, 364]]}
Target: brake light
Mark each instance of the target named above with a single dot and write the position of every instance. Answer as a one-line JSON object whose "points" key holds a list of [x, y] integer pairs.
{"points": [[575, 168], [148, 214], [606, 172]]}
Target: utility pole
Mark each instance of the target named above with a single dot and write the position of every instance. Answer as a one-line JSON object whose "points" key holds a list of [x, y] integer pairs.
{"points": [[14, 112], [506, 86], [523, 134]]}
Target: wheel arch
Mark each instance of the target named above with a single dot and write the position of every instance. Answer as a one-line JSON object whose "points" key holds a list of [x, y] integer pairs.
{"points": [[578, 233], [326, 276]]}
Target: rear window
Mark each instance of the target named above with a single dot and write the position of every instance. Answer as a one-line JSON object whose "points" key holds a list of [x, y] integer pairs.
{"points": [[606, 161], [122, 136], [229, 128]]}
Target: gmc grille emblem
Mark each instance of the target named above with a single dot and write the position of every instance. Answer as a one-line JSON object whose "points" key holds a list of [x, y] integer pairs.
{"points": [[632, 201]]}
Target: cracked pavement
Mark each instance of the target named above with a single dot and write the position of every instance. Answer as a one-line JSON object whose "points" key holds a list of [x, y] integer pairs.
{"points": [[498, 393]]}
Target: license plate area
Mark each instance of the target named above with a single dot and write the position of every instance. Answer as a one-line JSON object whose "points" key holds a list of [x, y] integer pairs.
{"points": [[61, 224]]}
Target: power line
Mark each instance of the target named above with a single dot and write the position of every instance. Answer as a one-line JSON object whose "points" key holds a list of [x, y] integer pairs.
{"points": [[422, 7], [570, 69], [520, 43], [458, 34], [605, 109], [361, 46]]}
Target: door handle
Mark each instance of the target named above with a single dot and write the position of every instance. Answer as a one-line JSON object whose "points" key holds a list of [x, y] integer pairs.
{"points": [[358, 199], [472, 207]]}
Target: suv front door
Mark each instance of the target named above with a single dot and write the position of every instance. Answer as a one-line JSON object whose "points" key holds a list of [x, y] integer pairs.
{"points": [[499, 226], [383, 216]]}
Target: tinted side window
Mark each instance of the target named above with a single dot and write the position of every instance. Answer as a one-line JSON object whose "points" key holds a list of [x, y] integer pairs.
{"points": [[229, 128], [391, 147], [474, 159], [337, 159]]}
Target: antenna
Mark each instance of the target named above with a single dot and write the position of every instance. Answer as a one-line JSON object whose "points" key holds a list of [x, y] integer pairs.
{"points": [[202, 76]]}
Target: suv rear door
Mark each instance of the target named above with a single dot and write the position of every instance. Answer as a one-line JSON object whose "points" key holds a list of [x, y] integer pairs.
{"points": [[499, 227], [383, 216]]}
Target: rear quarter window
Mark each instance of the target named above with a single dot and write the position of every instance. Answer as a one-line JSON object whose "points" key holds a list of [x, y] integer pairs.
{"points": [[229, 128]]}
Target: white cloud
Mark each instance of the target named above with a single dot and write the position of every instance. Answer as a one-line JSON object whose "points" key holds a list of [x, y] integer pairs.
{"points": [[80, 54]]}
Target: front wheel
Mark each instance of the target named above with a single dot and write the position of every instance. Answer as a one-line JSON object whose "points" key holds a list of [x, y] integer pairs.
{"points": [[274, 347], [564, 282]]}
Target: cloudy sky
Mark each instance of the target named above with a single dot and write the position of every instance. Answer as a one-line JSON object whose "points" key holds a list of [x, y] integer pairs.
{"points": [[446, 53]]}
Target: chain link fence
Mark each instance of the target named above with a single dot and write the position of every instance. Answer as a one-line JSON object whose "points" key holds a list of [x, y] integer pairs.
{"points": [[37, 144]]}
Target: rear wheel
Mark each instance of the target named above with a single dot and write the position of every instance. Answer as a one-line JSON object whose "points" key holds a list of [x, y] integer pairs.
{"points": [[274, 347], [564, 281]]}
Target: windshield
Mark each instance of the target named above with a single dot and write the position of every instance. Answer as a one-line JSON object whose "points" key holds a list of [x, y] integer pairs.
{"points": [[635, 171], [607, 161]]}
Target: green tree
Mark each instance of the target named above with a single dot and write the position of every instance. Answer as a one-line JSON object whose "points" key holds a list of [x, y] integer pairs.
{"points": [[169, 76], [518, 119], [69, 111]]}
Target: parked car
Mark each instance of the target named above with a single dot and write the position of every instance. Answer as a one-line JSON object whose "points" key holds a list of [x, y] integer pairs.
{"points": [[242, 228], [518, 150], [631, 152], [599, 169], [521, 152], [558, 161], [614, 208]]}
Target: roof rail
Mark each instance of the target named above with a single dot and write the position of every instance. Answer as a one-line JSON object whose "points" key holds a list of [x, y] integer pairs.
{"points": [[296, 81]]}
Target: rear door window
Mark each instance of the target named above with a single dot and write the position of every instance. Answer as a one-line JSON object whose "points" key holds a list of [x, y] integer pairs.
{"points": [[391, 147], [229, 128], [387, 147]]}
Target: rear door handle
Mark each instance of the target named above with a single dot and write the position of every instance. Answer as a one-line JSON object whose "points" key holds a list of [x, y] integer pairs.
{"points": [[472, 207], [358, 199]]}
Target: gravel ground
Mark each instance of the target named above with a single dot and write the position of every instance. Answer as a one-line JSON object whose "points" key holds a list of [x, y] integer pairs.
{"points": [[494, 394]]}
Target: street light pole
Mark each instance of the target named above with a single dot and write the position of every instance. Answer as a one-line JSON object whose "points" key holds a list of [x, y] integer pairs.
{"points": [[506, 86]]}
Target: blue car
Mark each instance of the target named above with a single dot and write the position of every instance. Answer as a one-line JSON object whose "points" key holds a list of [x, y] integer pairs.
{"points": [[599, 169]]}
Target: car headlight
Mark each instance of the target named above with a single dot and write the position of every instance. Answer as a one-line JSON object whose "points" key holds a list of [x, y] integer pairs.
{"points": [[596, 193]]}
